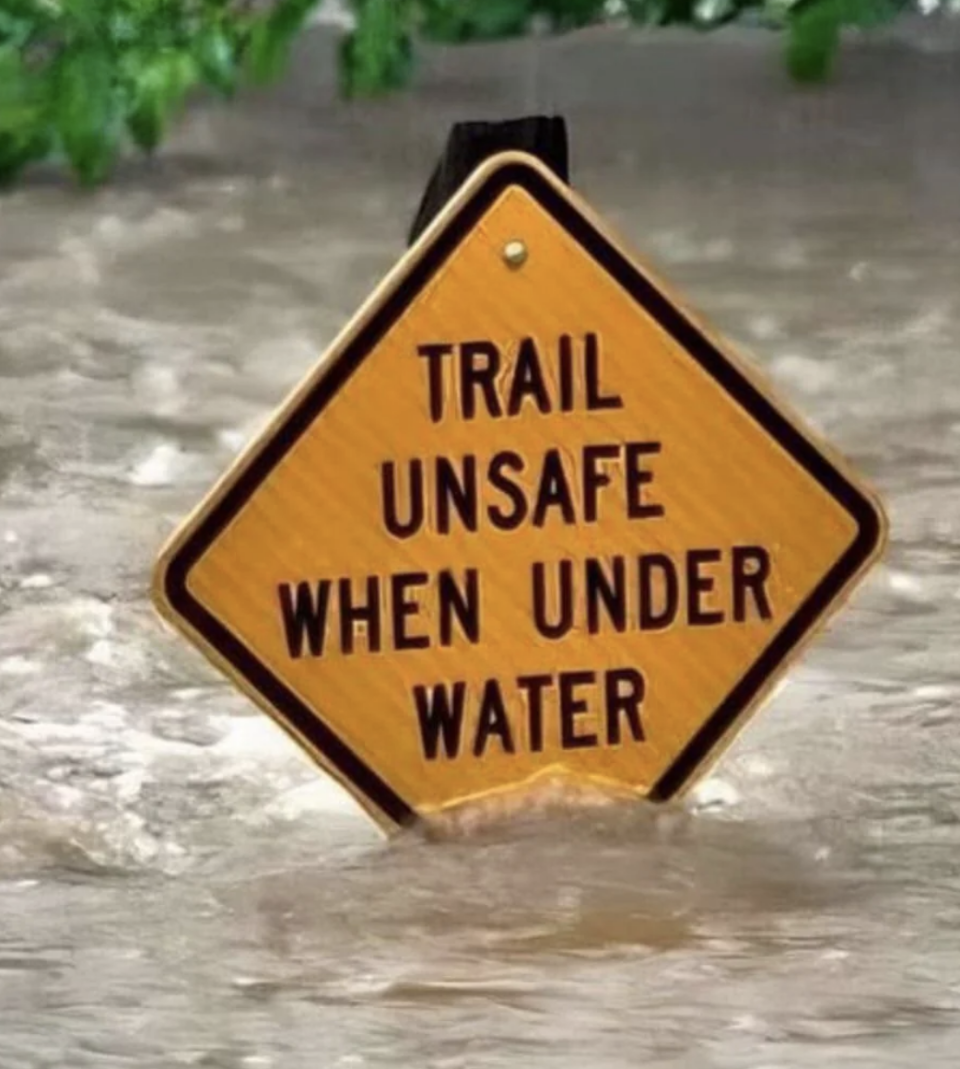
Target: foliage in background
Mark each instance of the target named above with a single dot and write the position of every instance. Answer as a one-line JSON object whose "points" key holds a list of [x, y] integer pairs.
{"points": [[814, 28], [80, 78], [376, 57]]}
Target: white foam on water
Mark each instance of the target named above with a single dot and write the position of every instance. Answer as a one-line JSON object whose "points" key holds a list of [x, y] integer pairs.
{"points": [[713, 794], [128, 786], [255, 742], [90, 617], [232, 439], [904, 583], [107, 716], [811, 376], [161, 466], [19, 666], [255, 737], [320, 795], [144, 748], [933, 692], [37, 581], [116, 233], [57, 737], [105, 653]]}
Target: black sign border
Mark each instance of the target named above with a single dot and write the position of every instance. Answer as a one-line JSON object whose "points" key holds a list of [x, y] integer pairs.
{"points": [[273, 448]]}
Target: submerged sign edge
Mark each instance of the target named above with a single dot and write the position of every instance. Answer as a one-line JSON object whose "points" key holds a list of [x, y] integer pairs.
{"points": [[358, 339]]}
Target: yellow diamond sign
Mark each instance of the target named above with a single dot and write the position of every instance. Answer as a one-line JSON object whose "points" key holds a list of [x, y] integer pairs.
{"points": [[526, 518]]}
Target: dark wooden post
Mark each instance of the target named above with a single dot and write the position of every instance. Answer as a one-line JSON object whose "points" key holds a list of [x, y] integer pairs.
{"points": [[470, 143]]}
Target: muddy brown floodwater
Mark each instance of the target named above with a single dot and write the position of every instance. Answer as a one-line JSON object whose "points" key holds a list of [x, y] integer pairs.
{"points": [[177, 885]]}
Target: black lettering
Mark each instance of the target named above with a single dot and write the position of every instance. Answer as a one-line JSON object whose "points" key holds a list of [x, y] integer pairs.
{"points": [[594, 477], [610, 590], [554, 490], [479, 376], [567, 384], [625, 689], [571, 707], [751, 570], [651, 617], [461, 491], [402, 607], [493, 720], [528, 380], [462, 604], [534, 686], [439, 718], [499, 517], [637, 478], [591, 372], [564, 598], [388, 482], [367, 614], [698, 586], [304, 617], [434, 355]]}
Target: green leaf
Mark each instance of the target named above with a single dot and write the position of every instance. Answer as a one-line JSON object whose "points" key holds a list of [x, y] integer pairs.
{"points": [[13, 159], [23, 20], [13, 30], [814, 28], [24, 135], [12, 74], [123, 27], [160, 85], [100, 68], [86, 110], [18, 149], [215, 54], [378, 55], [86, 21], [813, 38], [272, 37]]}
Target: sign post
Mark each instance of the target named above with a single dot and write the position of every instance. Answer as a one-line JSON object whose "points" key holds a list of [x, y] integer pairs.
{"points": [[527, 517]]}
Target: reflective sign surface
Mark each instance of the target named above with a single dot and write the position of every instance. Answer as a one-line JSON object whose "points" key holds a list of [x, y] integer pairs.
{"points": [[526, 517]]}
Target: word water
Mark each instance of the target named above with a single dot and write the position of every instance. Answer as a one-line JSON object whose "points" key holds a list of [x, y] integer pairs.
{"points": [[571, 710]]}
